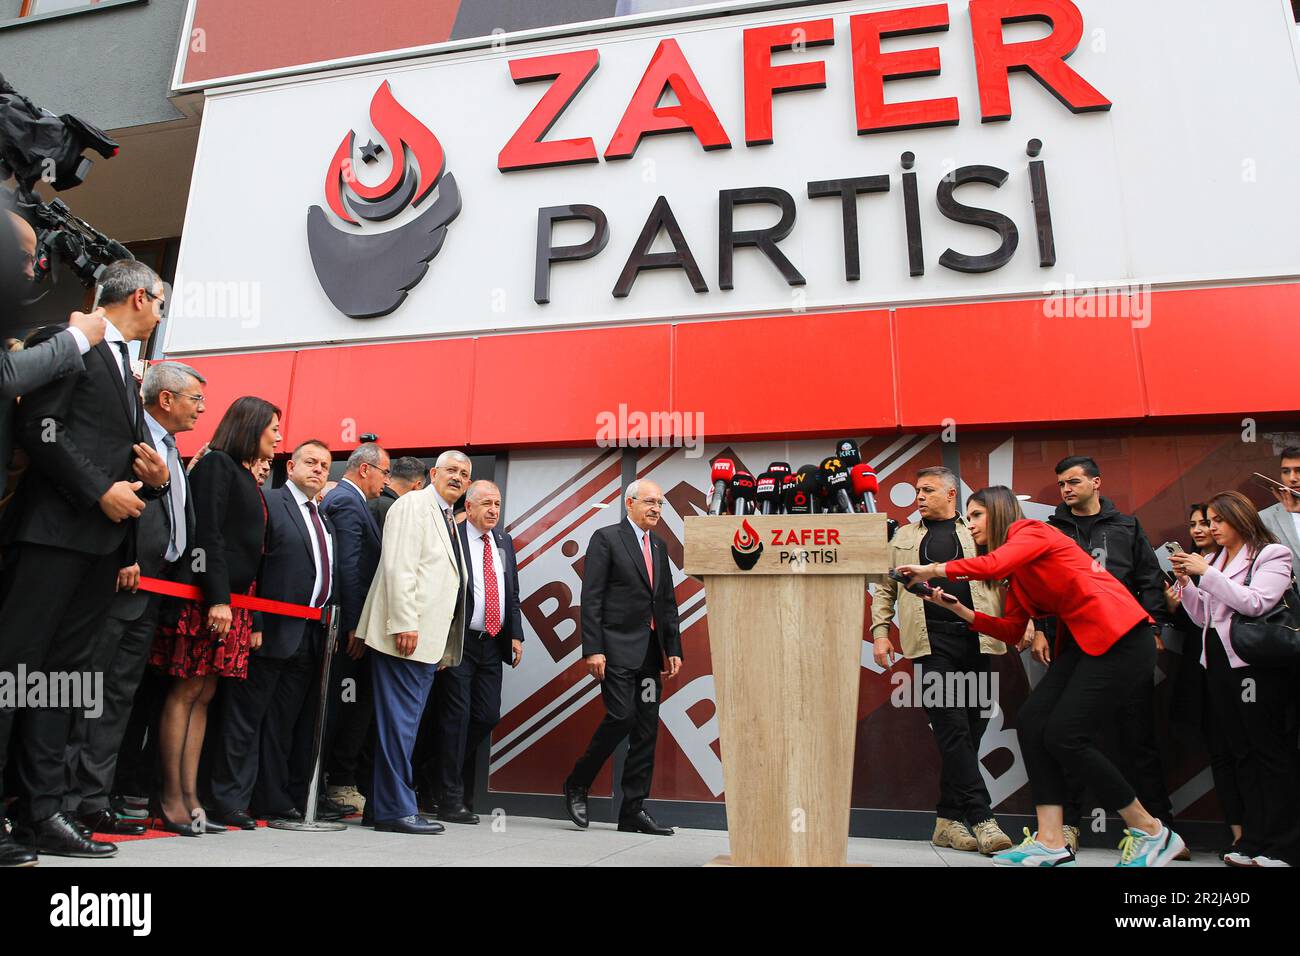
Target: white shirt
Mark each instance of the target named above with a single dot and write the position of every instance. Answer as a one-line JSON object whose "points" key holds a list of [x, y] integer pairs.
{"points": [[78, 336], [158, 433], [300, 497], [111, 337], [478, 621]]}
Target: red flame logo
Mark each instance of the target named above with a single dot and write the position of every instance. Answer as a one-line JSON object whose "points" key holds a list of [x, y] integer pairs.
{"points": [[413, 140], [746, 538]]}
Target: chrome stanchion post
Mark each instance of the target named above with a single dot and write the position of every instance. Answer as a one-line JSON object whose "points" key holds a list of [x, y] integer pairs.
{"points": [[309, 821]]}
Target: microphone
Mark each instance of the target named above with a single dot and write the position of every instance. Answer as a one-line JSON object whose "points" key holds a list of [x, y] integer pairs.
{"points": [[767, 492], [829, 467], [865, 486], [810, 481], [724, 469], [742, 493], [788, 482], [798, 496], [846, 449], [839, 484], [779, 468]]}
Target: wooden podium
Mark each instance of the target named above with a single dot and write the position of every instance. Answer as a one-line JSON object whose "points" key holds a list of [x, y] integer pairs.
{"points": [[786, 595]]}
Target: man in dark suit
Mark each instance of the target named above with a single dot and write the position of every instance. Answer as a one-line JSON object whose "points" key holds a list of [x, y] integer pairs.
{"points": [[470, 702], [629, 624], [71, 528], [357, 537], [263, 757], [173, 401], [407, 474]]}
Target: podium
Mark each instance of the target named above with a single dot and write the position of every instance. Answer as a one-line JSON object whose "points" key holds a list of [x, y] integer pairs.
{"points": [[786, 596]]}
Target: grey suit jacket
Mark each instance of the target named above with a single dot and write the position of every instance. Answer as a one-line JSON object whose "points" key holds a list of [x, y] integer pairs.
{"points": [[21, 372], [1279, 521]]}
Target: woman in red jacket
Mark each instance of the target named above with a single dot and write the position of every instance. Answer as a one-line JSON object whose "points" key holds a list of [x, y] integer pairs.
{"points": [[1105, 646]]}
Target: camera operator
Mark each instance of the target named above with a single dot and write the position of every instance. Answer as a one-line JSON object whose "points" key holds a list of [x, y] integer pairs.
{"points": [[72, 530], [59, 355]]}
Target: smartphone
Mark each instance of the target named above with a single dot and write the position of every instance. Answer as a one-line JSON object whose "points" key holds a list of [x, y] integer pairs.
{"points": [[1271, 484], [919, 588], [1173, 547]]}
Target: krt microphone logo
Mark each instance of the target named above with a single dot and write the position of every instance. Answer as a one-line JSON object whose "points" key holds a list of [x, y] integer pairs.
{"points": [[368, 274], [746, 546]]}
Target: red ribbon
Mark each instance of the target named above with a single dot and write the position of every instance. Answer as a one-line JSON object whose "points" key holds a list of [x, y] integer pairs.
{"points": [[192, 593]]}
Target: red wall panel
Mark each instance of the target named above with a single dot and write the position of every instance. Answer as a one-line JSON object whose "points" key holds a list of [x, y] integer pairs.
{"points": [[773, 377], [243, 37], [266, 374], [1007, 363]]}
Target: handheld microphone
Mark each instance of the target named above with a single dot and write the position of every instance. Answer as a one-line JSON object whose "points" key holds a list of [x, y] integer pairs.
{"points": [[798, 496], [724, 469], [865, 486], [839, 485], [781, 468], [829, 467], [788, 482], [810, 480], [742, 493], [767, 492], [846, 449]]}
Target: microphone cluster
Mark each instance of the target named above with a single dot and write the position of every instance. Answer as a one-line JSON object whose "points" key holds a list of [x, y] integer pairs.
{"points": [[841, 484]]}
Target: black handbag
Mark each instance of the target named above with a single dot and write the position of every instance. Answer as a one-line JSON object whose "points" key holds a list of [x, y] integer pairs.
{"points": [[1273, 638]]}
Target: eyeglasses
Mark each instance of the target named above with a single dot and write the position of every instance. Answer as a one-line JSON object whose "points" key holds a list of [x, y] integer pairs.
{"points": [[387, 472], [162, 302], [652, 502], [196, 399]]}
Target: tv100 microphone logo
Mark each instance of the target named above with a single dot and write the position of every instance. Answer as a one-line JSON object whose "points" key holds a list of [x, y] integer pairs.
{"points": [[796, 547]]}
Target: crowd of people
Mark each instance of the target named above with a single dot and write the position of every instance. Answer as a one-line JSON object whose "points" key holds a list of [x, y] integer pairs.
{"points": [[211, 696], [1085, 592]]}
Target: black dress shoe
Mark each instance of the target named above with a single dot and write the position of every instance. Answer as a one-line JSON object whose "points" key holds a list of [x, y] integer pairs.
{"points": [[642, 822], [426, 803], [414, 824], [327, 809], [59, 836], [457, 813], [293, 814], [575, 801], [105, 821], [13, 853], [236, 818]]}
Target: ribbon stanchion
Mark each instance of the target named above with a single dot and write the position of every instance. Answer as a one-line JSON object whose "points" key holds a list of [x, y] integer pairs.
{"points": [[329, 616]]}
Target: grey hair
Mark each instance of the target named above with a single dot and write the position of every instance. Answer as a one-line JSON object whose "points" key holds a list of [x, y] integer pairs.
{"points": [[478, 488], [171, 377], [367, 454], [120, 279], [943, 474], [632, 490], [447, 457]]}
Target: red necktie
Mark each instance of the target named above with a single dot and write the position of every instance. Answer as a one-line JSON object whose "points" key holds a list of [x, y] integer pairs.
{"points": [[492, 612], [650, 571]]}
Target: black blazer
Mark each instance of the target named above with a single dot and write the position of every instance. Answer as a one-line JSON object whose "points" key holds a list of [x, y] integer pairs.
{"points": [[288, 571], [153, 535], [357, 545], [512, 624], [229, 529], [617, 601], [77, 432]]}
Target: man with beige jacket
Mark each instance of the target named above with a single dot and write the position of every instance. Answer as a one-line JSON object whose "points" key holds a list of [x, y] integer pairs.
{"points": [[414, 618], [950, 661]]}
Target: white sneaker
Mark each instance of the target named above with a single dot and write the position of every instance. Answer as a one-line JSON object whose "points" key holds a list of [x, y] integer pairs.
{"points": [[1239, 859], [1142, 849], [1032, 853], [1268, 861]]}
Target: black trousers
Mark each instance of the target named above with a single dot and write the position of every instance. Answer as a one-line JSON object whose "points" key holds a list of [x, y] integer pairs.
{"points": [[55, 602], [262, 760], [631, 697], [1059, 723], [350, 718], [469, 707], [1252, 706], [958, 723], [121, 652], [137, 772]]}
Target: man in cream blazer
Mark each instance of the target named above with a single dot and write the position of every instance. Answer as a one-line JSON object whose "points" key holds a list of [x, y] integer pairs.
{"points": [[414, 618]]}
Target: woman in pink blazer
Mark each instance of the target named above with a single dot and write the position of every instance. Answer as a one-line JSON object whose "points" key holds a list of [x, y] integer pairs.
{"points": [[1248, 703]]}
